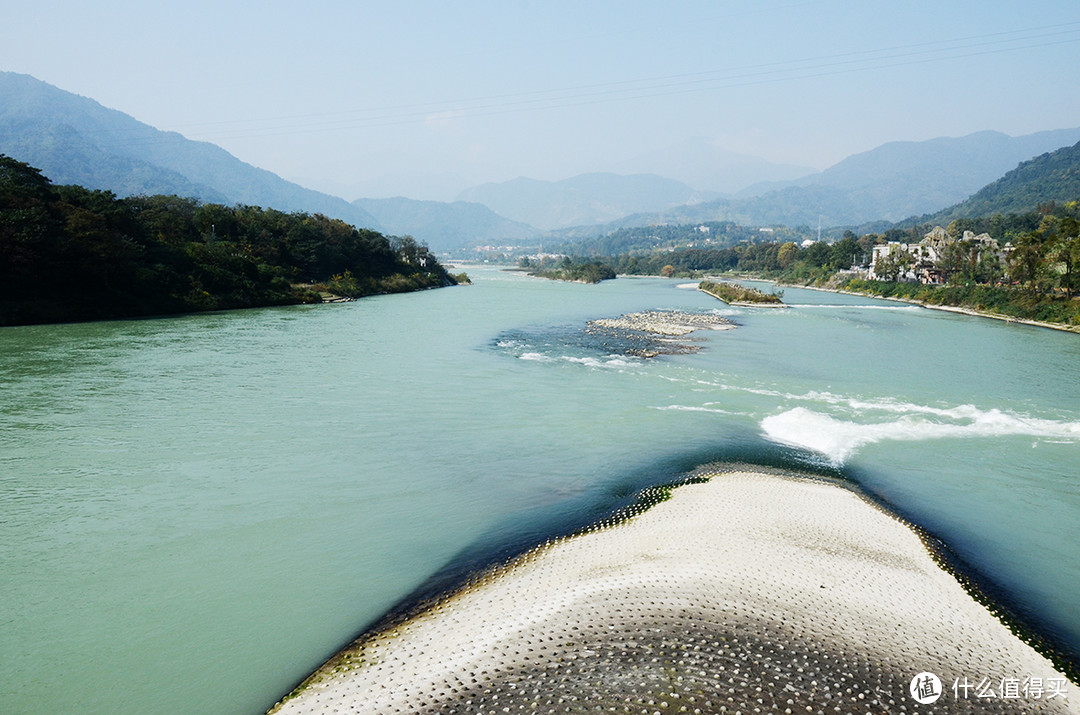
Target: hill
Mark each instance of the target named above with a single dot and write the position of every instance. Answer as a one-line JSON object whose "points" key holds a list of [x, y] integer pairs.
{"points": [[70, 253], [900, 179], [1054, 176], [75, 140], [445, 226], [890, 183], [584, 199], [705, 166]]}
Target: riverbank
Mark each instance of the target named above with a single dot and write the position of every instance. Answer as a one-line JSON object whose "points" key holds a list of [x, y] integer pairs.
{"points": [[932, 306], [746, 589]]}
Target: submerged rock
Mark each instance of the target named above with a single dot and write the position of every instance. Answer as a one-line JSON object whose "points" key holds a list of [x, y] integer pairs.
{"points": [[657, 332], [666, 322]]}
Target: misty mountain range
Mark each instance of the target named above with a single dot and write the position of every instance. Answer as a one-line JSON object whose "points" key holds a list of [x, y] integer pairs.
{"points": [[581, 200], [76, 140]]}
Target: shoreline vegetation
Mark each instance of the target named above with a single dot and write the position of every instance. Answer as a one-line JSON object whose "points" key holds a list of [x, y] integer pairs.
{"points": [[814, 595], [1014, 267], [571, 271], [735, 294], [70, 254], [1000, 303]]}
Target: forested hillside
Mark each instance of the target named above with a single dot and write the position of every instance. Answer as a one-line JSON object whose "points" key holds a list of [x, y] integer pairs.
{"points": [[75, 140], [70, 253], [889, 183], [1054, 176]]}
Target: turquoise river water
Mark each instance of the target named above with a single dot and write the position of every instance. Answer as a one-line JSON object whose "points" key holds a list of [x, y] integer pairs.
{"points": [[196, 511]]}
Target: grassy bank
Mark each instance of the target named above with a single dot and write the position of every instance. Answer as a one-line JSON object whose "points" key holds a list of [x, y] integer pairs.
{"points": [[996, 301], [735, 294]]}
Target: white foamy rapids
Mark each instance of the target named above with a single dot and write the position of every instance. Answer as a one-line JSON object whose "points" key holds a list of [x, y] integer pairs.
{"points": [[610, 361], [538, 357], [862, 405], [692, 408], [839, 439]]}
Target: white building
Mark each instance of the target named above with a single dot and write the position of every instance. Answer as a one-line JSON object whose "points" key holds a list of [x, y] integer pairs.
{"points": [[922, 261]]}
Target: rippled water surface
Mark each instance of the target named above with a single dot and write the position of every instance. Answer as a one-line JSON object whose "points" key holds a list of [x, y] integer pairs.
{"points": [[197, 511]]}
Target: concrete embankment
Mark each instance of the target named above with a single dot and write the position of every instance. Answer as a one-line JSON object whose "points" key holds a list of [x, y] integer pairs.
{"points": [[751, 591]]}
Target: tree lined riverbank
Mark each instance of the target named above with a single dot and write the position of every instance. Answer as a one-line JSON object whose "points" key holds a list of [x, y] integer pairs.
{"points": [[995, 302], [71, 254]]}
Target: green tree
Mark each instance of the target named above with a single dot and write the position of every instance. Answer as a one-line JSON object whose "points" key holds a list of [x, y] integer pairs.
{"points": [[31, 225], [788, 254], [845, 252], [1025, 261], [1064, 256]]}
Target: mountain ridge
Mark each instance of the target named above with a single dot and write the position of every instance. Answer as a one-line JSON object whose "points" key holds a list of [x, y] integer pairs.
{"points": [[46, 126], [445, 225], [699, 163], [1050, 177], [77, 140], [594, 197], [892, 182]]}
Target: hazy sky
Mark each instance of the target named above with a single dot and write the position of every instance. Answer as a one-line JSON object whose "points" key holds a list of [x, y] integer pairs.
{"points": [[398, 97]]}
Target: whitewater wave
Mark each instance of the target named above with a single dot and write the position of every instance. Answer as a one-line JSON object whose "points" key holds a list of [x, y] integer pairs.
{"points": [[692, 408], [537, 357], [838, 439], [610, 361], [858, 405]]}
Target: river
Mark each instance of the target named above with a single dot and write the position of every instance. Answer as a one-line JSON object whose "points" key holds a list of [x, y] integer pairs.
{"points": [[196, 511]]}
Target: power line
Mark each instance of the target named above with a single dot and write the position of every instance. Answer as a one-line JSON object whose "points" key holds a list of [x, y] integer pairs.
{"points": [[651, 87]]}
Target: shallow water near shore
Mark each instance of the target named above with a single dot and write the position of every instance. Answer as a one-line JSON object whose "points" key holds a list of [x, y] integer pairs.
{"points": [[199, 510]]}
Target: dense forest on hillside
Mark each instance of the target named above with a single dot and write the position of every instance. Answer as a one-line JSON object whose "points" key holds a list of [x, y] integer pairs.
{"points": [[75, 140], [69, 253], [1054, 176]]}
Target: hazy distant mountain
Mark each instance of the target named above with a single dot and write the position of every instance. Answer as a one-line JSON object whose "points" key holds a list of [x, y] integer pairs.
{"points": [[67, 157], [75, 140], [445, 226], [890, 183], [430, 185], [699, 163], [584, 199], [1054, 176], [904, 178]]}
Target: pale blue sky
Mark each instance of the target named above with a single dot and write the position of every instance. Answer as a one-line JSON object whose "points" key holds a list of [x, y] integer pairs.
{"points": [[398, 94]]}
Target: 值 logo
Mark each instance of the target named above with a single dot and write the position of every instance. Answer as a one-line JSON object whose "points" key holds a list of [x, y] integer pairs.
{"points": [[925, 688]]}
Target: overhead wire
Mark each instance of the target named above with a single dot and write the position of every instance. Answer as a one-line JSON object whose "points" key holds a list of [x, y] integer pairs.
{"points": [[641, 88]]}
